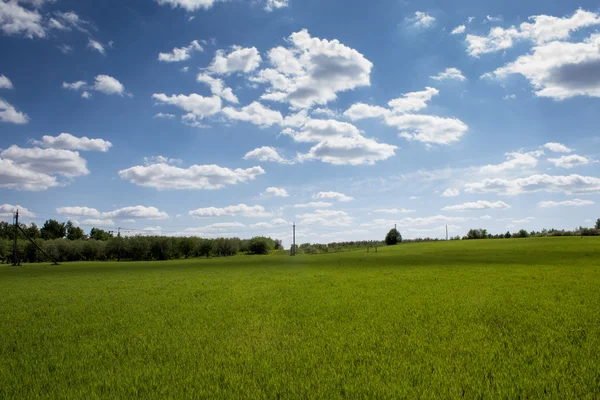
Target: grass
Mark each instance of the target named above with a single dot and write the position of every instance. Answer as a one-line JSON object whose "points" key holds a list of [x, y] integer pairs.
{"points": [[477, 319]]}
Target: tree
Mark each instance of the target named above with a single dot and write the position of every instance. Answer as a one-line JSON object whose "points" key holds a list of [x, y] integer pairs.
{"points": [[53, 229], [597, 226], [523, 233], [32, 231], [507, 235], [393, 237], [74, 232], [260, 245], [100, 234]]}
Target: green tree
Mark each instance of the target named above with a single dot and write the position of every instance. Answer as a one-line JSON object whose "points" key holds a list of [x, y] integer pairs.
{"points": [[597, 226], [393, 237], [74, 232], [53, 229], [260, 245], [523, 233], [507, 235], [100, 234]]}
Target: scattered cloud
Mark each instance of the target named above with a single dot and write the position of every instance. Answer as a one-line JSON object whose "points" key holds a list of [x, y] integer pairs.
{"points": [[74, 85], [70, 142], [266, 154], [141, 212], [239, 59], [218, 88], [516, 160], [394, 211], [568, 162], [96, 45], [180, 53], [5, 83], [196, 177], [478, 205], [570, 184], [449, 73], [459, 30], [275, 4], [557, 147], [325, 218], [16, 20], [8, 113], [108, 85], [451, 192], [421, 20], [241, 210], [314, 204], [356, 150], [7, 211], [164, 116], [510, 97], [567, 203], [277, 192], [162, 160], [333, 196], [188, 5], [199, 106], [254, 113]]}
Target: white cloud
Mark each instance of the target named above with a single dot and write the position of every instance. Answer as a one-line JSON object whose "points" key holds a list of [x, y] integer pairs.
{"points": [[96, 45], [411, 223], [240, 210], [164, 115], [238, 59], [180, 53], [413, 101], [515, 160], [7, 210], [119, 214], [66, 21], [449, 73], [266, 154], [478, 205], [429, 129], [333, 196], [70, 142], [314, 204], [557, 147], [98, 222], [356, 150], [19, 21], [74, 85], [197, 177], [277, 192], [568, 162], [86, 95], [47, 161], [510, 97], [326, 112], [199, 106], [451, 192], [5, 83], [421, 20], [394, 211], [108, 85], [569, 184], [14, 176], [458, 30], [275, 4], [161, 160], [77, 211], [218, 88], [188, 5], [568, 203], [255, 113], [325, 218], [312, 71], [10, 114], [542, 30], [361, 111], [317, 130]]}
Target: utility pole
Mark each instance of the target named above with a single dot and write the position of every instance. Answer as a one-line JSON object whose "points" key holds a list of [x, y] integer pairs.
{"points": [[446, 232], [16, 219], [293, 249]]}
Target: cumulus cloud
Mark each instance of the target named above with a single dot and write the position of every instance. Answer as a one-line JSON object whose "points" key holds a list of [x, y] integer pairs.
{"points": [[164, 115], [317, 130], [356, 150], [124, 213], [557, 147], [8, 113], [421, 20], [478, 205], [541, 30], [15, 176], [98, 222], [239, 59], [196, 177], [108, 85], [241, 210], [180, 53], [7, 211], [394, 211], [70, 142], [195, 104], [277, 192], [568, 162], [359, 111], [5, 83], [19, 21], [570, 184], [333, 196], [188, 5], [515, 160], [96, 45], [314, 204], [254, 113], [271, 5], [449, 73], [458, 30], [567, 203], [451, 192], [325, 218], [413, 101], [218, 88], [312, 71], [47, 161], [266, 154], [162, 160], [74, 85]]}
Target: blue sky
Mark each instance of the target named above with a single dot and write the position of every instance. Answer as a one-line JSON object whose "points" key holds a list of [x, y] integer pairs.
{"points": [[238, 118]]}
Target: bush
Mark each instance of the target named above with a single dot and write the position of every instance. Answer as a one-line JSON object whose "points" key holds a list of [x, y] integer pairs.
{"points": [[260, 245]]}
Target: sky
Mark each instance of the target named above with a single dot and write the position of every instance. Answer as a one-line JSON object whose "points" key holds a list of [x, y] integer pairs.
{"points": [[221, 118]]}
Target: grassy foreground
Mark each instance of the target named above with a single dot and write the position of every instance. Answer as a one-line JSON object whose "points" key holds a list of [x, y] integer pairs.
{"points": [[477, 319]]}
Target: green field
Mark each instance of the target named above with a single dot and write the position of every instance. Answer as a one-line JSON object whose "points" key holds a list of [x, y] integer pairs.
{"points": [[513, 318]]}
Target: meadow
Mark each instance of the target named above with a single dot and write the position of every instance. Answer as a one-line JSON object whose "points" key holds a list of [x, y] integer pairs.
{"points": [[514, 318]]}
